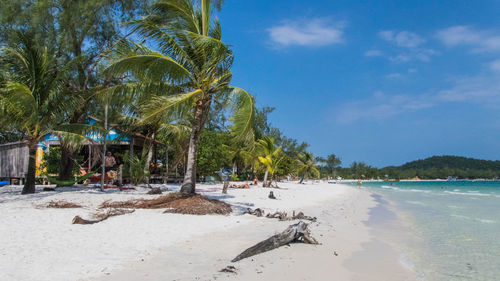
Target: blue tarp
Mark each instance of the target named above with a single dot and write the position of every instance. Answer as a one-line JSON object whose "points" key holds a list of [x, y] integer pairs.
{"points": [[112, 135]]}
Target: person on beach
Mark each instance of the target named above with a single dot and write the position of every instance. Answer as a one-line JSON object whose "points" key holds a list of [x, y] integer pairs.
{"points": [[359, 183], [109, 162], [255, 181]]}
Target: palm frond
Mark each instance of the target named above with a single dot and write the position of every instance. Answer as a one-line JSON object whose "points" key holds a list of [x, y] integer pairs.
{"points": [[158, 105], [244, 114], [155, 67]]}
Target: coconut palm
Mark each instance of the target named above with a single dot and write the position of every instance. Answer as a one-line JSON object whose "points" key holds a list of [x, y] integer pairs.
{"points": [[32, 97], [191, 57], [306, 166], [271, 156]]}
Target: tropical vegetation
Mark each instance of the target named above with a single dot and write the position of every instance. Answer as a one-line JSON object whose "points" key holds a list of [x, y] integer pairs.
{"points": [[160, 67]]}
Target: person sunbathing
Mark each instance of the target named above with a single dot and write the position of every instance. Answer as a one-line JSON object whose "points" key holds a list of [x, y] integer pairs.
{"points": [[245, 185]]}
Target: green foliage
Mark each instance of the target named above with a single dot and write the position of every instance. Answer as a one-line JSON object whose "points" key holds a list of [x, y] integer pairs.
{"points": [[234, 177], [31, 100], [306, 166], [52, 159], [212, 152], [134, 166]]}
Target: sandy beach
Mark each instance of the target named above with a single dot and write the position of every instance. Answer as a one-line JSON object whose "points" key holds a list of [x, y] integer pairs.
{"points": [[42, 244]]}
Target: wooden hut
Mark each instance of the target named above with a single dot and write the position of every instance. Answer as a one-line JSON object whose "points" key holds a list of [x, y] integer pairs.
{"points": [[13, 160]]}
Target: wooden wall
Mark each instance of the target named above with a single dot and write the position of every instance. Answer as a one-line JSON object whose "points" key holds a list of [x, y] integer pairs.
{"points": [[13, 160]]}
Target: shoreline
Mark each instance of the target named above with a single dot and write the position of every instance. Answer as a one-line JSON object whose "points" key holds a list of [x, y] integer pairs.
{"points": [[149, 245]]}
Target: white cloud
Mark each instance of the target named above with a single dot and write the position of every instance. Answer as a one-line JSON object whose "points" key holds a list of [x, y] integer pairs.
{"points": [[313, 32], [412, 70], [480, 40], [402, 39], [373, 53]]}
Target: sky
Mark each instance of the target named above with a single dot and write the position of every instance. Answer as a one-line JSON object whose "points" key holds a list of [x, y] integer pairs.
{"points": [[383, 82]]}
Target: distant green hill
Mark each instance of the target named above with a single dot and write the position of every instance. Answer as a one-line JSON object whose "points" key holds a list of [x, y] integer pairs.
{"points": [[444, 166], [453, 162]]}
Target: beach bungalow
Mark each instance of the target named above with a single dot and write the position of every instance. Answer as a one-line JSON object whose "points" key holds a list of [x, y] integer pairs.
{"points": [[14, 156]]}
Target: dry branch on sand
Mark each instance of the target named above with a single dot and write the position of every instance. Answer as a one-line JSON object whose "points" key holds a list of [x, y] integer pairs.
{"points": [[62, 205], [282, 216], [193, 204], [102, 216], [298, 232]]}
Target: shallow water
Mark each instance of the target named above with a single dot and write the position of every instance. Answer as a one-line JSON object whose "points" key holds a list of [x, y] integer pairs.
{"points": [[458, 224]]}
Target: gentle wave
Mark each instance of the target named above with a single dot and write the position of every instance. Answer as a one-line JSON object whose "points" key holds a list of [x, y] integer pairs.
{"points": [[476, 219], [467, 193]]}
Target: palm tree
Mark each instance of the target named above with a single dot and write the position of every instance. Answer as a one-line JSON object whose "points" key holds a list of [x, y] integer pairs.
{"points": [[270, 156], [332, 162], [32, 98], [306, 166], [192, 58]]}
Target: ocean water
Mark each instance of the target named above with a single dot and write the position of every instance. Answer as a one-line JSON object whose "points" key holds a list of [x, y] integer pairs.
{"points": [[457, 225]]}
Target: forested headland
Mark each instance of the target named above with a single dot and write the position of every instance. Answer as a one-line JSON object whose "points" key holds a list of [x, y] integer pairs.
{"points": [[435, 167]]}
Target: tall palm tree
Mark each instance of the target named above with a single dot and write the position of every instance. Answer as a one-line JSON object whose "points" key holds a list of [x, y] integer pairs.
{"points": [[32, 98], [192, 57], [306, 166], [270, 156]]}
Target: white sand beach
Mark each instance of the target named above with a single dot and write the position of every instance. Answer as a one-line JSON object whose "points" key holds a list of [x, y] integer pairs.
{"points": [[42, 244]]}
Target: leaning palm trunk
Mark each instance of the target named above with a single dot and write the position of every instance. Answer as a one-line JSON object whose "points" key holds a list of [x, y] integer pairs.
{"points": [[189, 183], [264, 184], [29, 185], [149, 157]]}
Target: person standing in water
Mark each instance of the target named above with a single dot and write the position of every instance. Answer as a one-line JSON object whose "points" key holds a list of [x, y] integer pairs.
{"points": [[359, 183]]}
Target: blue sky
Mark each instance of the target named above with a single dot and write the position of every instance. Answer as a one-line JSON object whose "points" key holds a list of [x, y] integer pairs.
{"points": [[384, 82]]}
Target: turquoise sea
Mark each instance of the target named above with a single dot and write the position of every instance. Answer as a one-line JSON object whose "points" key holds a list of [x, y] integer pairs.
{"points": [[456, 224]]}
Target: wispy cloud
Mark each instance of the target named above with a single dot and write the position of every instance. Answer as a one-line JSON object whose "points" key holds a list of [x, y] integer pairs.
{"points": [[483, 90], [408, 46], [381, 106], [479, 40], [394, 76], [415, 54], [495, 65], [312, 32], [373, 53], [402, 39]]}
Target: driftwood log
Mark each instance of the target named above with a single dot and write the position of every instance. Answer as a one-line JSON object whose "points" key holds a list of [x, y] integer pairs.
{"points": [[102, 216], [282, 216], [294, 233], [257, 212]]}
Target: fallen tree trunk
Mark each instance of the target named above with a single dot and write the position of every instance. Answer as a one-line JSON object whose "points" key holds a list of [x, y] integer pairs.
{"points": [[294, 233], [102, 216]]}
